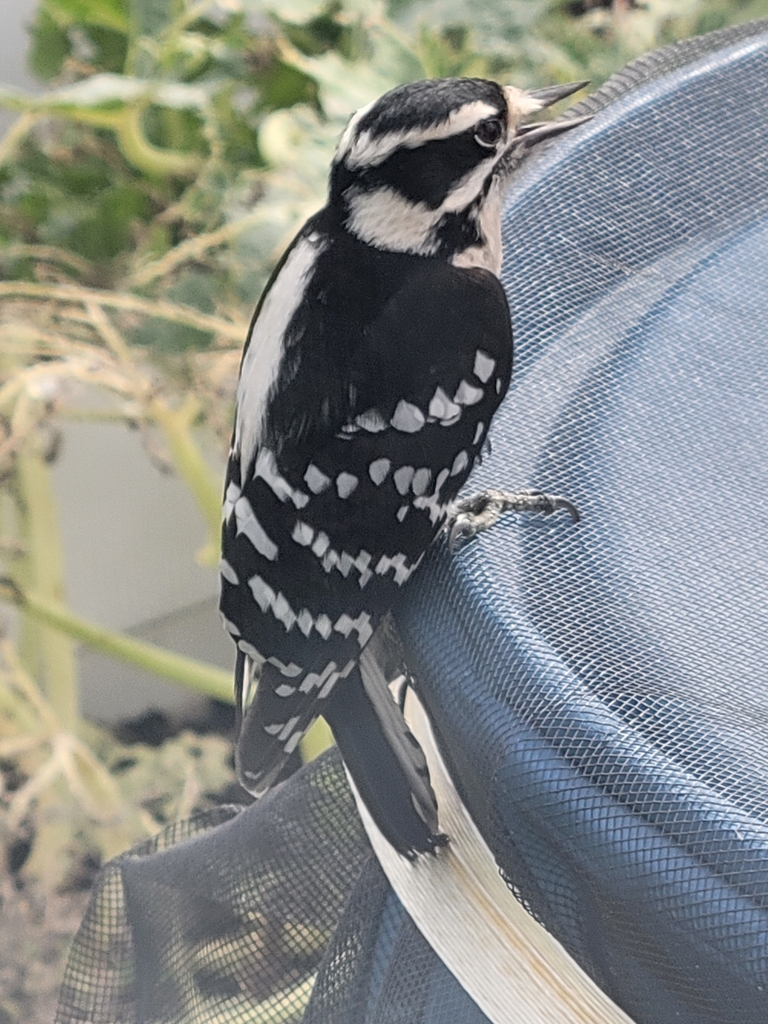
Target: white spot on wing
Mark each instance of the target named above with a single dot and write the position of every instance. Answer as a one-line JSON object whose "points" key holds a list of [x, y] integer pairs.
{"points": [[361, 625], [484, 366], [278, 604], [346, 483], [323, 625], [402, 478], [442, 408], [421, 480], [313, 680], [431, 503], [228, 572], [248, 524], [408, 417], [498, 385], [403, 569], [249, 649], [288, 728], [378, 470], [283, 690], [316, 480], [283, 612], [230, 627], [305, 622], [264, 354], [263, 594], [290, 671], [467, 394], [266, 469], [321, 544], [292, 742], [459, 463], [402, 512], [333, 678], [303, 533], [230, 499], [478, 432], [372, 421]]}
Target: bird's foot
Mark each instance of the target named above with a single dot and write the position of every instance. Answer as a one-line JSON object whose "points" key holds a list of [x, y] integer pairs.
{"points": [[480, 511]]}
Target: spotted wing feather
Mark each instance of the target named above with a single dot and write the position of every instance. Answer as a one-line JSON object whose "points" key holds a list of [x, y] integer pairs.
{"points": [[367, 438]]}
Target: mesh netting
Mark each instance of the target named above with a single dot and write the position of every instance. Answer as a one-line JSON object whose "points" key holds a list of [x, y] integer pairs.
{"points": [[598, 690]]}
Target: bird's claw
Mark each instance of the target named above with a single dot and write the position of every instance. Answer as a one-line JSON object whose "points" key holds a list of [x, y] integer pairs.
{"points": [[481, 511]]}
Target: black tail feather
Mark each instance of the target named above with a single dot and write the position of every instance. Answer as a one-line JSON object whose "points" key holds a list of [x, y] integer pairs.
{"points": [[386, 764]]}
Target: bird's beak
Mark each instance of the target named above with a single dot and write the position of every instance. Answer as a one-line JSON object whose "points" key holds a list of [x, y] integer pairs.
{"points": [[551, 94], [531, 134]]}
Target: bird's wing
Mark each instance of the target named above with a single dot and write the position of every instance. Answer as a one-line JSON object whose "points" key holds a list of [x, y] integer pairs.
{"points": [[322, 534]]}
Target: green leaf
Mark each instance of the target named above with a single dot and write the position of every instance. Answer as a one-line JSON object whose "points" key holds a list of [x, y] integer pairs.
{"points": [[150, 17], [107, 13], [49, 48]]}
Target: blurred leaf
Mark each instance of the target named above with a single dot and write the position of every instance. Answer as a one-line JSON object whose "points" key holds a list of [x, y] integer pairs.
{"points": [[297, 11], [108, 13], [163, 337], [150, 17], [344, 87], [50, 46]]}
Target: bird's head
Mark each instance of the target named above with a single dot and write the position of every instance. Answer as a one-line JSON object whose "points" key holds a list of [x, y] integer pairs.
{"points": [[421, 169]]}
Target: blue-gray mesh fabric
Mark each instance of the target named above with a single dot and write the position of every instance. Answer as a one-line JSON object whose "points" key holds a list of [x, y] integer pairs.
{"points": [[603, 696], [598, 689]]}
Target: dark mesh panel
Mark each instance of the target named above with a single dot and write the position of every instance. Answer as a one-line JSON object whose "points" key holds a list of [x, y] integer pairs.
{"points": [[229, 925], [599, 690]]}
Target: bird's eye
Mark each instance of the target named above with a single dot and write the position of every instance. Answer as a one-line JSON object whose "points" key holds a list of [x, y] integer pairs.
{"points": [[488, 132]]}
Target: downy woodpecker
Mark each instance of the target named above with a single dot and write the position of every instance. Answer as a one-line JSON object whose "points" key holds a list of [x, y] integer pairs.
{"points": [[376, 359]]}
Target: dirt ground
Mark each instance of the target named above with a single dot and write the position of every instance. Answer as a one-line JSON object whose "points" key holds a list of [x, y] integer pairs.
{"points": [[35, 933]]}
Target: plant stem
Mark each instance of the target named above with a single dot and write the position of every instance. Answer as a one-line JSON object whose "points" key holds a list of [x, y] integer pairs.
{"points": [[52, 652], [176, 425], [161, 308], [206, 679]]}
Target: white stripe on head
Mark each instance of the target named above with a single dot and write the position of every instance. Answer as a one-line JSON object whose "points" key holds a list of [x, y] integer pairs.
{"points": [[368, 150], [468, 188], [261, 362], [349, 133]]}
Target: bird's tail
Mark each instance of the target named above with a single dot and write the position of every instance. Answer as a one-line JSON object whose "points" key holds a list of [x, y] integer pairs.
{"points": [[384, 759], [268, 728]]}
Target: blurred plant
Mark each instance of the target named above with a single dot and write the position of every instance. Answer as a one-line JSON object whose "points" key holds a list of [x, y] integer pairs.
{"points": [[144, 198]]}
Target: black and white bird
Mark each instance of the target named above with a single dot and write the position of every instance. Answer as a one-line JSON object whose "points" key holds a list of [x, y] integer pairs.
{"points": [[376, 359]]}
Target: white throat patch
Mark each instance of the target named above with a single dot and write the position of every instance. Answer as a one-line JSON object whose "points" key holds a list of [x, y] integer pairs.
{"points": [[387, 220]]}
